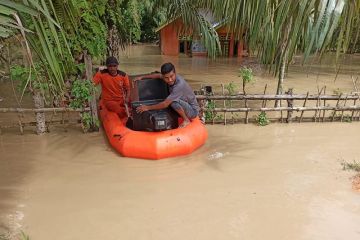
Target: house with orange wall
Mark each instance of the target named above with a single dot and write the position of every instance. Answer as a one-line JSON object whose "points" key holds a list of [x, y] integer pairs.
{"points": [[173, 42]]}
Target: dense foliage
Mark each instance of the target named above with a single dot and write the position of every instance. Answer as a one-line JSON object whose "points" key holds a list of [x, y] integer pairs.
{"points": [[152, 17], [57, 31]]}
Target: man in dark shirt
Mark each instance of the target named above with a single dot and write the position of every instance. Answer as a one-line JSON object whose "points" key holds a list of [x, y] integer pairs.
{"points": [[182, 98]]}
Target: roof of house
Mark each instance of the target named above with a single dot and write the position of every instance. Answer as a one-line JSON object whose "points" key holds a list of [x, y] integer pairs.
{"points": [[165, 24], [206, 14]]}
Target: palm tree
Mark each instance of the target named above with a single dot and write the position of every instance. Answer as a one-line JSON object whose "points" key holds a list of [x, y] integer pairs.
{"points": [[122, 19], [276, 29]]}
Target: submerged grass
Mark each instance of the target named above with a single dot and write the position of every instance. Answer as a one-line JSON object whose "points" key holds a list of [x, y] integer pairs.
{"points": [[21, 236], [351, 166], [354, 166], [4, 236]]}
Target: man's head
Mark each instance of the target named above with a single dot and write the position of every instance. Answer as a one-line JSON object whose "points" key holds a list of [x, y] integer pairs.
{"points": [[112, 65], [168, 72]]}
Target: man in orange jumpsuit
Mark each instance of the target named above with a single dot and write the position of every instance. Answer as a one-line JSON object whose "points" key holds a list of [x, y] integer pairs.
{"points": [[115, 87]]}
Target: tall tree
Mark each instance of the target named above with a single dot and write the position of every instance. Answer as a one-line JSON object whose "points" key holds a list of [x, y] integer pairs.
{"points": [[123, 19]]}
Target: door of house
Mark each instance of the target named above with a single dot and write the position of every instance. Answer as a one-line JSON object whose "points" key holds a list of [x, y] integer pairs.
{"points": [[225, 45], [184, 44]]}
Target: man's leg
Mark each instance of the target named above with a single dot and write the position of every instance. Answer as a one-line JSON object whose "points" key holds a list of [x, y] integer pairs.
{"points": [[117, 107], [185, 111]]}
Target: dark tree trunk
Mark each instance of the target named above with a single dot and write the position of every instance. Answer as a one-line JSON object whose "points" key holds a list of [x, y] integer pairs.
{"points": [[281, 78], [40, 116], [114, 44]]}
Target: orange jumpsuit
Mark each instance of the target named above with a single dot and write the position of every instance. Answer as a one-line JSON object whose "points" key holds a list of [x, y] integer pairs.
{"points": [[113, 90]]}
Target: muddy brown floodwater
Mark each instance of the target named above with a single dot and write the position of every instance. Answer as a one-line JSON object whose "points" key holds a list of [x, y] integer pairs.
{"points": [[282, 181]]}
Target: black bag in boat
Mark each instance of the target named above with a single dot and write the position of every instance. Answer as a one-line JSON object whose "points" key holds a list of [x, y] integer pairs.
{"points": [[153, 120], [149, 92]]}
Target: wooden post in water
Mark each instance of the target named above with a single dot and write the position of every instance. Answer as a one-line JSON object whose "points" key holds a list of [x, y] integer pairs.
{"points": [[337, 104], [353, 112], [246, 113], [342, 112], [302, 112], [323, 116], [290, 103], [318, 102], [21, 125], [263, 104], [92, 102], [281, 112], [201, 103], [39, 116], [223, 93]]}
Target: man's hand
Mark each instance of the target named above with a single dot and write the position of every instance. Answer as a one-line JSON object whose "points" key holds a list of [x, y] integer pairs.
{"points": [[135, 80], [102, 68], [142, 108]]}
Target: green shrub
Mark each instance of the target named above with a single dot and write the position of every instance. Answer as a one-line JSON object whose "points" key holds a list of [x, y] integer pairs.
{"points": [[82, 92], [262, 119], [231, 88], [246, 75], [351, 166], [209, 110]]}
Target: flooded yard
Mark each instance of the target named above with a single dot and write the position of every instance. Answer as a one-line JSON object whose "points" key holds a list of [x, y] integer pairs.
{"points": [[282, 181]]}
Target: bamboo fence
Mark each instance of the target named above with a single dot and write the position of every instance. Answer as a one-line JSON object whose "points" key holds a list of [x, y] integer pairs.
{"points": [[325, 108], [21, 123], [92, 109], [225, 108]]}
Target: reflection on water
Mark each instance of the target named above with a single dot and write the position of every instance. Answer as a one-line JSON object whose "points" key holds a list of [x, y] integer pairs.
{"points": [[285, 180]]}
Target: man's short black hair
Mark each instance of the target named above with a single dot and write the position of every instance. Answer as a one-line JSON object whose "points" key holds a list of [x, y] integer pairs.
{"points": [[111, 61], [166, 68]]}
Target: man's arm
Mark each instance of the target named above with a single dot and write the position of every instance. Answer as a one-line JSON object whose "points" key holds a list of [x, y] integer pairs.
{"points": [[127, 88], [97, 78], [162, 105]]}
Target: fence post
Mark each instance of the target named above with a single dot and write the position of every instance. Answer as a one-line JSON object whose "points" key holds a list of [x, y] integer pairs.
{"points": [[92, 103], [290, 103]]}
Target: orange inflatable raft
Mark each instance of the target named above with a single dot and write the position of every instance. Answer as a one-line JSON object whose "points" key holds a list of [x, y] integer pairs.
{"points": [[152, 145]]}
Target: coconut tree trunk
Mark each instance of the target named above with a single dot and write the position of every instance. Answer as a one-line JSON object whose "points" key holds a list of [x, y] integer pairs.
{"points": [[281, 78], [284, 62], [114, 46], [40, 116]]}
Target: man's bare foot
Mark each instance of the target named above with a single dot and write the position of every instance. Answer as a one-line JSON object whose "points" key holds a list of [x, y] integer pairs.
{"points": [[184, 123]]}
